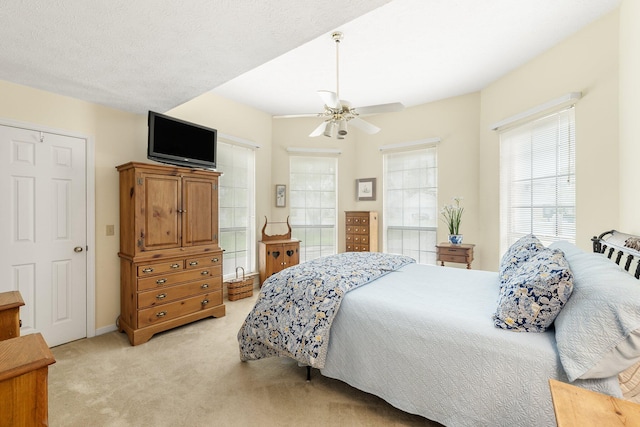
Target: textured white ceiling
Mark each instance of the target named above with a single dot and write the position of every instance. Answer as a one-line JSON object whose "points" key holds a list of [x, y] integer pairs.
{"points": [[156, 54], [139, 55]]}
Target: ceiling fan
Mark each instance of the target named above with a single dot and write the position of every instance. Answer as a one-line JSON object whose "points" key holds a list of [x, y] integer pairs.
{"points": [[338, 112]]}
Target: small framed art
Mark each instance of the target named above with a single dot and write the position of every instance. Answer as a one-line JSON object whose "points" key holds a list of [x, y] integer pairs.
{"points": [[366, 189], [281, 195]]}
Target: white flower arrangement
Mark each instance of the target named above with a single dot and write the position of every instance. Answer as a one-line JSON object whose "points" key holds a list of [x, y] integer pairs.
{"points": [[452, 215]]}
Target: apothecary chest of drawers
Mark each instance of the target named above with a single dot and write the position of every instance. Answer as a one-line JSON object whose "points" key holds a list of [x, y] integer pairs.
{"points": [[361, 231]]}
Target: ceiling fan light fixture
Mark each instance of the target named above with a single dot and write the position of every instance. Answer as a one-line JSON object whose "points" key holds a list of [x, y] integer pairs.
{"points": [[342, 127], [337, 112], [329, 128]]}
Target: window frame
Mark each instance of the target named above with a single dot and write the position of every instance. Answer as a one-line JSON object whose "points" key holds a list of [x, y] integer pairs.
{"points": [[250, 265], [418, 241], [302, 230], [517, 185]]}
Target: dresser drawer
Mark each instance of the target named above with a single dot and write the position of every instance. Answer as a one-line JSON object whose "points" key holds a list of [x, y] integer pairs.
{"points": [[164, 280], [357, 248], [157, 268], [156, 297], [214, 259], [357, 229], [173, 310], [357, 219], [462, 258], [361, 239], [453, 251]]}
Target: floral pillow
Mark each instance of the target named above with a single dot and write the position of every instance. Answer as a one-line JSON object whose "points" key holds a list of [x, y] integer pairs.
{"points": [[535, 293], [523, 249]]}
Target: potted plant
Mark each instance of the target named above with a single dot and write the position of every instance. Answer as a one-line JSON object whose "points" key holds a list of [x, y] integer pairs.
{"points": [[452, 216]]}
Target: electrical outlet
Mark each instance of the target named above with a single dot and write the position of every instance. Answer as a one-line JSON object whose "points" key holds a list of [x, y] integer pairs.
{"points": [[111, 230]]}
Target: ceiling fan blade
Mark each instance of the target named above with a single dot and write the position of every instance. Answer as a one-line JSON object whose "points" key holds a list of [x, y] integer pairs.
{"points": [[364, 126], [293, 116], [330, 99], [319, 130], [380, 108]]}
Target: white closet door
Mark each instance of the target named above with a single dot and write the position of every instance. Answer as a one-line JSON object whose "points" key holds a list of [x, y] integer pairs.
{"points": [[43, 232]]}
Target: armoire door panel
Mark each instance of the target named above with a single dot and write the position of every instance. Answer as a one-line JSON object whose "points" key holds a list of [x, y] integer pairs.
{"points": [[162, 200], [200, 201]]}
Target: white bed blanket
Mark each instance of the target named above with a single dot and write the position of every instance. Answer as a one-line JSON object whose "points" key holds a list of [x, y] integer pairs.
{"points": [[423, 339]]}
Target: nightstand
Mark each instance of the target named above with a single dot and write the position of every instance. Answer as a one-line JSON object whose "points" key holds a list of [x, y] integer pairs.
{"points": [[577, 407], [447, 252]]}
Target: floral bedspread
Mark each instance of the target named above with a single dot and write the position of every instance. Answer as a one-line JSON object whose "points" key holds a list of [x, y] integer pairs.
{"points": [[294, 311]]}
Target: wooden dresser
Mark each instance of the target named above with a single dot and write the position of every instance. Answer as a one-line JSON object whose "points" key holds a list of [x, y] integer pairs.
{"points": [[277, 252], [361, 231], [24, 369], [170, 260], [10, 303]]}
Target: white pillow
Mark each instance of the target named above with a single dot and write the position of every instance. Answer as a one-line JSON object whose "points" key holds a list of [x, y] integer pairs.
{"points": [[598, 330]]}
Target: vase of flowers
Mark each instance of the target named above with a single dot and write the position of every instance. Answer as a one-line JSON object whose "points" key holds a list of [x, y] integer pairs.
{"points": [[452, 216]]}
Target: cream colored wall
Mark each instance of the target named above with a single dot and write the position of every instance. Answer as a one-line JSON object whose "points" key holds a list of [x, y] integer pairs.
{"points": [[468, 155], [241, 121], [293, 133], [629, 116], [454, 120], [118, 137], [586, 62]]}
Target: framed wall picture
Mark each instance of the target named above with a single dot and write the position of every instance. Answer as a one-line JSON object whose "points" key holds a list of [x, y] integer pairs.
{"points": [[366, 189], [281, 195]]}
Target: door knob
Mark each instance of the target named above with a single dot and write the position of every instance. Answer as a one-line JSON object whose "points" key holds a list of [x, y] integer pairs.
{"points": [[77, 249]]}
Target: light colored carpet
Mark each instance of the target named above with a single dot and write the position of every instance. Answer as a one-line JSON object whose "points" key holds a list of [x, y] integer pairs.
{"points": [[192, 376]]}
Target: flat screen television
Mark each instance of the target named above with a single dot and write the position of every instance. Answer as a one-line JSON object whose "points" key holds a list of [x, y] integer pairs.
{"points": [[181, 143]]}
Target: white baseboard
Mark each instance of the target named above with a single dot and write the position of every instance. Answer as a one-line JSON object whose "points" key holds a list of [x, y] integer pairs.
{"points": [[106, 329]]}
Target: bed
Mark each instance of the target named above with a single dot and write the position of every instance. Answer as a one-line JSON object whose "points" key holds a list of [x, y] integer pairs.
{"points": [[424, 338]]}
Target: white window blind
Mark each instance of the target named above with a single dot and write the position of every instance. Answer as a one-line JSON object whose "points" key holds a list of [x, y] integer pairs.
{"points": [[411, 203], [313, 200], [537, 180], [236, 207]]}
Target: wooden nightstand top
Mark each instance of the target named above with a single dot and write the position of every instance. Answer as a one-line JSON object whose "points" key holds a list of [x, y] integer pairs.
{"points": [[575, 406], [451, 245]]}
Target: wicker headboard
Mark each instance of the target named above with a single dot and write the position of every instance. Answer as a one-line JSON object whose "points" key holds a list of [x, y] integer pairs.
{"points": [[626, 247]]}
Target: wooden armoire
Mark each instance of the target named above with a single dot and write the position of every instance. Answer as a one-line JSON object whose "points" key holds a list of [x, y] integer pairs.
{"points": [[170, 260]]}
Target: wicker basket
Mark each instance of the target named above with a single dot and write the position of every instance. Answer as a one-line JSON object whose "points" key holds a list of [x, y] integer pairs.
{"points": [[239, 288]]}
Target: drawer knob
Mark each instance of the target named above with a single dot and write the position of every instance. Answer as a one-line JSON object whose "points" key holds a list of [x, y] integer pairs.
{"points": [[205, 301], [161, 296], [205, 273], [214, 260], [161, 281], [161, 314], [204, 285], [193, 263], [175, 265], [147, 270]]}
